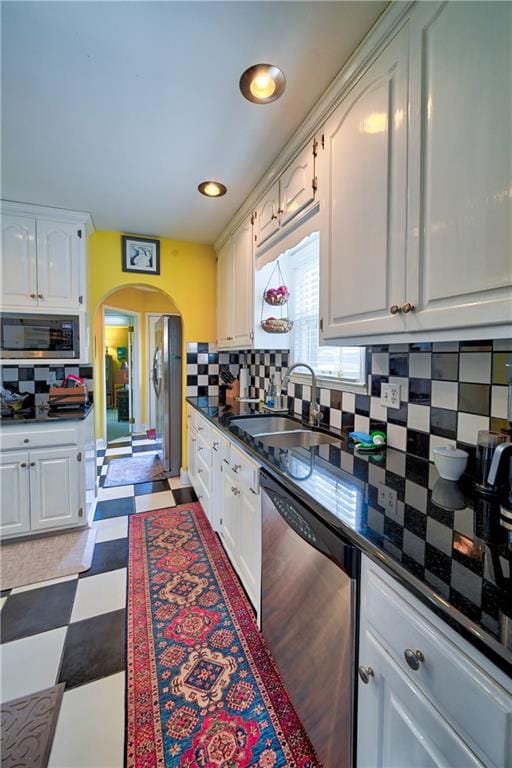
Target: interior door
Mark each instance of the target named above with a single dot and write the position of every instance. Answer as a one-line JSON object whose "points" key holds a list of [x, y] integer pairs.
{"points": [[55, 487], [59, 250], [131, 418], [157, 379], [14, 493], [19, 266], [364, 202]]}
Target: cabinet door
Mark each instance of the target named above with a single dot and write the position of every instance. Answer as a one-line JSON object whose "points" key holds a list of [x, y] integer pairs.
{"points": [[266, 217], [249, 548], [14, 493], [460, 171], [19, 268], [298, 185], [363, 201], [59, 251], [230, 515], [55, 488], [242, 295], [397, 725], [224, 293]]}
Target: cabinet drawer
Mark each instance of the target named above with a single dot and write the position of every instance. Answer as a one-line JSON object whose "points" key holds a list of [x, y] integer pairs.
{"points": [[247, 471], [477, 706], [10, 440], [203, 473]]}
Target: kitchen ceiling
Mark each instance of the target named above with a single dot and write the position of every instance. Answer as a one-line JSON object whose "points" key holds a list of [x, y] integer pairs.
{"points": [[122, 108]]}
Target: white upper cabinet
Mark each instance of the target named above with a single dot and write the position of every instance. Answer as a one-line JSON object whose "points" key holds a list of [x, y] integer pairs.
{"points": [[460, 228], [363, 201], [19, 265], [298, 185], [266, 216], [235, 289], [59, 254], [224, 293], [43, 258], [243, 291]]}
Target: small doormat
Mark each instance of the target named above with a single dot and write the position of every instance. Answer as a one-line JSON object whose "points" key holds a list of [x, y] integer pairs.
{"points": [[46, 557], [136, 469], [28, 728], [202, 689]]}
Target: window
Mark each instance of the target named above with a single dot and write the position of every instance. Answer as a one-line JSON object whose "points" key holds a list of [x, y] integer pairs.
{"points": [[329, 363]]}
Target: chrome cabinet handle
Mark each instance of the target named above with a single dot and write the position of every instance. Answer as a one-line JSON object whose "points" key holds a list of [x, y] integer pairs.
{"points": [[215, 445], [365, 673], [23, 464], [414, 658], [193, 439], [200, 429], [33, 296], [395, 309], [408, 307], [274, 216], [40, 296], [26, 440], [236, 467], [32, 463], [253, 491], [199, 447], [235, 491]]}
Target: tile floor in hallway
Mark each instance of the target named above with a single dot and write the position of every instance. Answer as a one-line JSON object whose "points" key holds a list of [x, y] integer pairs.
{"points": [[72, 629]]}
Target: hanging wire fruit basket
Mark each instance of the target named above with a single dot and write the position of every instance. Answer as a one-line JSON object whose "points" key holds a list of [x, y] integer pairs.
{"points": [[276, 297]]}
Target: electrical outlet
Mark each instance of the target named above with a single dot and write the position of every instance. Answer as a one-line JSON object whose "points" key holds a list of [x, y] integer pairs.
{"points": [[390, 395], [387, 498]]}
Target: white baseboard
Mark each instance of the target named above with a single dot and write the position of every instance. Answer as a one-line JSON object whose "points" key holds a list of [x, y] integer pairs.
{"points": [[184, 478]]}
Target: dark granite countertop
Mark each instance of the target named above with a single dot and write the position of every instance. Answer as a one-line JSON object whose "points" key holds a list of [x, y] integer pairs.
{"points": [[34, 415], [442, 542]]}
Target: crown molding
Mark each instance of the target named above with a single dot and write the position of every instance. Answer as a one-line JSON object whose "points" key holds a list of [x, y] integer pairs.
{"points": [[377, 38]]}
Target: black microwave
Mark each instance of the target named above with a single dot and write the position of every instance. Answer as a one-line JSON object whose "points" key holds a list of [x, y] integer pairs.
{"points": [[39, 337]]}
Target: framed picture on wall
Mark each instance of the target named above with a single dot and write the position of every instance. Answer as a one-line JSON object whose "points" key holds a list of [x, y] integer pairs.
{"points": [[141, 254]]}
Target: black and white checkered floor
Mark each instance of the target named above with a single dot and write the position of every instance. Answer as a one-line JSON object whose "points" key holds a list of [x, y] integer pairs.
{"points": [[72, 629]]}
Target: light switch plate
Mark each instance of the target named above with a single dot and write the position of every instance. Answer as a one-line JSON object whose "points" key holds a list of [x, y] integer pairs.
{"points": [[390, 395], [387, 498]]}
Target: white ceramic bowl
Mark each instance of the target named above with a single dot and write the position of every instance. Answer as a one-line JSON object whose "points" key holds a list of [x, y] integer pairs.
{"points": [[450, 462]]}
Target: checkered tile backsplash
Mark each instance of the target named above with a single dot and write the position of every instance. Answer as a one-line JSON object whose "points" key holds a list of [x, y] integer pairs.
{"points": [[33, 379], [449, 391]]}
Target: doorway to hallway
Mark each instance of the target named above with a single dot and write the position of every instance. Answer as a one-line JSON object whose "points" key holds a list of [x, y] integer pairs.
{"points": [[120, 352]]}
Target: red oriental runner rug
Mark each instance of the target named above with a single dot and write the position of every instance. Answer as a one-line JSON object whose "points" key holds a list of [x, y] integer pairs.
{"points": [[202, 690]]}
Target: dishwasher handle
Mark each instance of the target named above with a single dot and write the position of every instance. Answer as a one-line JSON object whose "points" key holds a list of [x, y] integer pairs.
{"points": [[310, 528]]}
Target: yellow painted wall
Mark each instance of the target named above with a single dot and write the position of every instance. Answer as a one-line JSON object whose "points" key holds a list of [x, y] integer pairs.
{"points": [[187, 276]]}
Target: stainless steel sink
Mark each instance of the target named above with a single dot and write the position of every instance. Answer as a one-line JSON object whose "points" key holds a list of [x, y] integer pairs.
{"points": [[303, 438], [264, 425]]}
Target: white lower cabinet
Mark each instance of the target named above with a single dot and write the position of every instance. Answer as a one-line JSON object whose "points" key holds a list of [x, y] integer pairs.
{"points": [[47, 485], [451, 708], [15, 493], [55, 488], [226, 481]]}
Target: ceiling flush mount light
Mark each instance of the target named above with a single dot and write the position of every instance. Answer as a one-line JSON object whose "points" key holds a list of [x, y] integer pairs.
{"points": [[212, 188], [262, 83]]}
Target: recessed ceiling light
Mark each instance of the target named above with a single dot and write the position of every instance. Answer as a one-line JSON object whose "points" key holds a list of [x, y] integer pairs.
{"points": [[212, 188], [262, 83]]}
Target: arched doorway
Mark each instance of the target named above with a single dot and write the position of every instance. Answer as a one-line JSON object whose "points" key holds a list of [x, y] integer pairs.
{"points": [[137, 307]]}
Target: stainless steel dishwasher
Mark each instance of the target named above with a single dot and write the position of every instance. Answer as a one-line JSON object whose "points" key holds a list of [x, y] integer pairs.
{"points": [[308, 618]]}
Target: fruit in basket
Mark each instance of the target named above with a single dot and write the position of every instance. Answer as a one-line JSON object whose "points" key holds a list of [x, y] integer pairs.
{"points": [[277, 295]]}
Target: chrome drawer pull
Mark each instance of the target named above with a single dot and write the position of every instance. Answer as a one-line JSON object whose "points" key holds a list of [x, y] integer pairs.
{"points": [[236, 467], [395, 309], [199, 471], [23, 464], [414, 658], [235, 490], [365, 673], [215, 445], [199, 447]]}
